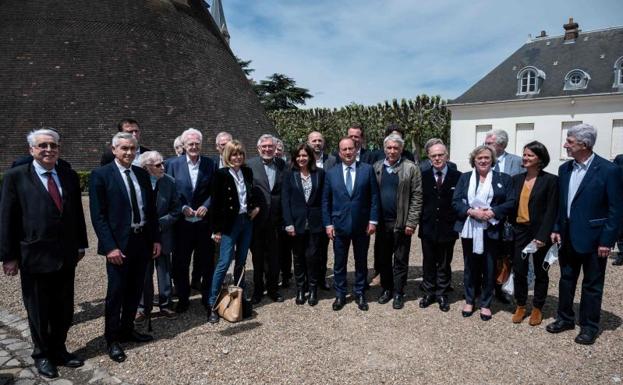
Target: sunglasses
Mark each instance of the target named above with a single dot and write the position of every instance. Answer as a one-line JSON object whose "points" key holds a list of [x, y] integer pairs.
{"points": [[158, 165]]}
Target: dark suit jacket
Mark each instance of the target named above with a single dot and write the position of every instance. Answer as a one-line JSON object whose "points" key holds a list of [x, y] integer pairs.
{"points": [[542, 205], [108, 156], [596, 209], [350, 215], [168, 209], [201, 195], [32, 229], [270, 204], [502, 203], [297, 212], [438, 216], [426, 165], [111, 211], [328, 161], [225, 201], [365, 156], [618, 160], [28, 159]]}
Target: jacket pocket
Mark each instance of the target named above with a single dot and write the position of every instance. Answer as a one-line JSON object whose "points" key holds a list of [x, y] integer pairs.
{"points": [[597, 222]]}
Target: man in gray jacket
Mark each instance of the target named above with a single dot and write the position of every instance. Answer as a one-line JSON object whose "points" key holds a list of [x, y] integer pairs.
{"points": [[400, 184]]}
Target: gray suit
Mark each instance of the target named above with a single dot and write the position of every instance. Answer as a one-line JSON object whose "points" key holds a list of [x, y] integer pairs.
{"points": [[512, 165]]}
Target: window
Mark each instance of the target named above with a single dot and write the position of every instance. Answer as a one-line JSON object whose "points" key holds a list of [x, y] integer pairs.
{"points": [[529, 80], [481, 133], [616, 144], [524, 135], [618, 73], [576, 80], [563, 137]]}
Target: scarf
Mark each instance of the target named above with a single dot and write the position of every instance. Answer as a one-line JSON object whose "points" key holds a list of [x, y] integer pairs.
{"points": [[479, 196]]}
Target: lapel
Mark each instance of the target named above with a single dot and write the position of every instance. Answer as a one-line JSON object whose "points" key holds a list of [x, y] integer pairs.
{"points": [[565, 175], [141, 186], [314, 178], [185, 175], [41, 188], [296, 174], [262, 173], [590, 173], [120, 183], [64, 179], [538, 185]]}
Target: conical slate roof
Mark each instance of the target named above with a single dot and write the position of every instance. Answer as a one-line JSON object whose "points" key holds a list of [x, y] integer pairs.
{"points": [[80, 66]]}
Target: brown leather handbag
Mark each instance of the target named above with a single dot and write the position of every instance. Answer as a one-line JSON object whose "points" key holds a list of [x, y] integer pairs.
{"points": [[229, 302]]}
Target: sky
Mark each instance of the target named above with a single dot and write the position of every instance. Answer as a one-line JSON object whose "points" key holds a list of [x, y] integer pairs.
{"points": [[366, 51]]}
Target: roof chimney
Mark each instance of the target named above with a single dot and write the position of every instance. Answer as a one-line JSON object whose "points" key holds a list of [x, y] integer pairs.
{"points": [[571, 30], [543, 34]]}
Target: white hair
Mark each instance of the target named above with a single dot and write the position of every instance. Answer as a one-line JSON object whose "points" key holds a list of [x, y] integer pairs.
{"points": [[394, 138], [191, 131], [501, 137], [266, 137], [32, 135], [178, 142], [123, 135], [149, 157], [221, 135], [584, 133]]}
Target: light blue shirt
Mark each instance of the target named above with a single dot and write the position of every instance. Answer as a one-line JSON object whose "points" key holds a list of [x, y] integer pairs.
{"points": [[40, 170], [577, 175]]}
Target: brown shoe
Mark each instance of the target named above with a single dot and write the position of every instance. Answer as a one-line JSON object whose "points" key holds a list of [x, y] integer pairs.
{"points": [[518, 316], [536, 317]]}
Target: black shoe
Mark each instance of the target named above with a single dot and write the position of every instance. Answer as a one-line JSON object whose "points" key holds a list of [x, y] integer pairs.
{"points": [[196, 285], [313, 296], [618, 260], [426, 301], [444, 306], [586, 337], [213, 317], [559, 326], [46, 368], [285, 283], [362, 304], [339, 303], [256, 298], [501, 296], [276, 296], [466, 313], [116, 353], [485, 317], [385, 297], [135, 336], [398, 302], [300, 297], [182, 307], [67, 359], [324, 285]]}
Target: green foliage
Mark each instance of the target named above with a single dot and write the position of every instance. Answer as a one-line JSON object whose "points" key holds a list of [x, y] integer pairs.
{"points": [[279, 92], [421, 118], [244, 65], [84, 180]]}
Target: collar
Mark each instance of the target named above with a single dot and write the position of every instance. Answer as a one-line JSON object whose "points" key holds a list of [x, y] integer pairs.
{"points": [[121, 167], [386, 163], [190, 162], [444, 170], [42, 170], [352, 166], [267, 162], [586, 164]]}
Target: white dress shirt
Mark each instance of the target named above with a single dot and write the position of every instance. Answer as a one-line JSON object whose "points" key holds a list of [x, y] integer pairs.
{"points": [[241, 188], [137, 188], [193, 170]]}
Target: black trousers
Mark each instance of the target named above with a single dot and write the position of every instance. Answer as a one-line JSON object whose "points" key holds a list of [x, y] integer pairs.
{"points": [[437, 257], [306, 250], [594, 269], [285, 255], [49, 302], [479, 271], [265, 256], [323, 256], [125, 286], [393, 249], [523, 236], [193, 240]]}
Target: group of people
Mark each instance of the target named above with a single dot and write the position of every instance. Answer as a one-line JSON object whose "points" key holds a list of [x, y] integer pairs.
{"points": [[166, 215]]}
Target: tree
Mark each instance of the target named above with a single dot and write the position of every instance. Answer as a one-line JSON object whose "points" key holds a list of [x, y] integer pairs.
{"points": [[244, 64], [279, 92]]}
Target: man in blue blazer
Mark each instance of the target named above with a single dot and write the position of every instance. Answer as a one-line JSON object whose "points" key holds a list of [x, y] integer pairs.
{"points": [[589, 216], [350, 212], [123, 213], [193, 174]]}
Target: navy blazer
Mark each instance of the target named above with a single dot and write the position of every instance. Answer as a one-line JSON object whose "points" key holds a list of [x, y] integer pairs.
{"points": [[502, 203], [111, 211], [32, 229], [169, 210], [200, 196], [350, 215], [297, 212], [438, 216], [596, 209], [542, 204]]}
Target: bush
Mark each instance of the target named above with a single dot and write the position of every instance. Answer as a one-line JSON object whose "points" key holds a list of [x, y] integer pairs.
{"points": [[84, 180]]}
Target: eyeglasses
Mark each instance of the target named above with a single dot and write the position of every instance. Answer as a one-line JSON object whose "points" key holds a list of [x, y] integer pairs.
{"points": [[158, 165], [45, 146]]}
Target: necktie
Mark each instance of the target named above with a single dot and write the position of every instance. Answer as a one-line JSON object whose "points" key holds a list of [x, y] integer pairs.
{"points": [[497, 167], [54, 193], [136, 214], [349, 181], [439, 179]]}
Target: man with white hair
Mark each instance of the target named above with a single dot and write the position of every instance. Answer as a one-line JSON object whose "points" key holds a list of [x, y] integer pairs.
{"points": [[268, 173], [43, 235], [193, 174], [222, 138], [590, 210]]}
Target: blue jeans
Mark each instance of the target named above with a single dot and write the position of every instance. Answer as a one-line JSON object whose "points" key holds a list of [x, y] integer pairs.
{"points": [[240, 238]]}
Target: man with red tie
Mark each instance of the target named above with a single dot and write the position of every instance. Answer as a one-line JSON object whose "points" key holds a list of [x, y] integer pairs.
{"points": [[43, 235]]}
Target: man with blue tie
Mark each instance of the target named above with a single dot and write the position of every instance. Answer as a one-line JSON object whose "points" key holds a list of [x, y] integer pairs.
{"points": [[350, 213], [589, 216], [123, 213], [193, 174]]}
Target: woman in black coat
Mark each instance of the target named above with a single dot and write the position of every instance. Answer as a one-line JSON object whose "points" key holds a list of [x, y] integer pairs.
{"points": [[301, 201], [233, 208], [536, 208]]}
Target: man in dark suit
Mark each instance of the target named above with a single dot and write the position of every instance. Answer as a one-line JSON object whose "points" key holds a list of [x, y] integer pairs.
{"points": [[43, 234], [618, 259], [400, 191], [130, 126], [123, 213], [193, 174], [267, 226], [589, 218], [436, 227], [350, 213]]}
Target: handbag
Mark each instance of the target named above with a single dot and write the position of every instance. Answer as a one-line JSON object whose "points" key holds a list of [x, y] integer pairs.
{"points": [[229, 304]]}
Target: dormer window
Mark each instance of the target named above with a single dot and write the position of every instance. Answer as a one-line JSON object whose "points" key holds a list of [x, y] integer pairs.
{"points": [[529, 81], [576, 80], [618, 73]]}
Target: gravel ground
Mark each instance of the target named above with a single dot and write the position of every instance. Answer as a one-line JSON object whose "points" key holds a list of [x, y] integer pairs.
{"points": [[289, 344]]}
